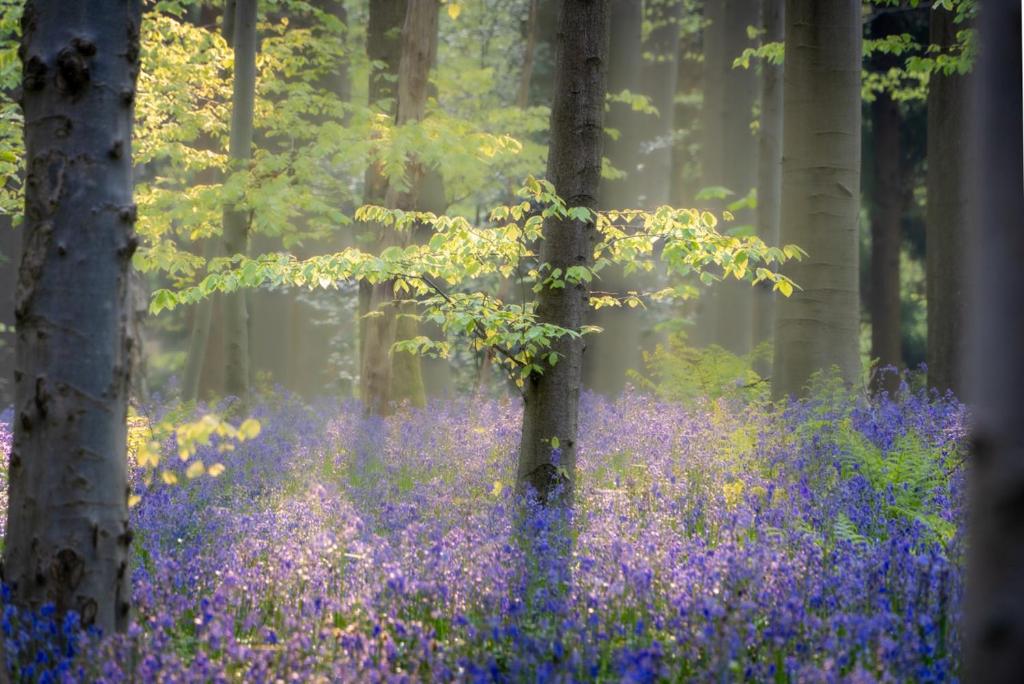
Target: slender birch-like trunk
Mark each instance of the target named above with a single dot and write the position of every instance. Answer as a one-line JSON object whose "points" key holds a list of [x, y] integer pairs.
{"points": [[236, 221], [552, 398]]}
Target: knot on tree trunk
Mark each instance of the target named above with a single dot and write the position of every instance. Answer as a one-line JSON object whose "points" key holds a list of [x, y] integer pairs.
{"points": [[73, 67]]}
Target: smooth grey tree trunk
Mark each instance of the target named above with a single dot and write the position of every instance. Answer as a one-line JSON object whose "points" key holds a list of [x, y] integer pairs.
{"points": [[616, 351], [729, 157], [946, 214], [574, 167], [769, 166], [994, 602], [67, 522], [236, 221], [818, 328]]}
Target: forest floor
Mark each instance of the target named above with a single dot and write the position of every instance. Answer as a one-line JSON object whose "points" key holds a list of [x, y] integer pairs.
{"points": [[819, 542]]}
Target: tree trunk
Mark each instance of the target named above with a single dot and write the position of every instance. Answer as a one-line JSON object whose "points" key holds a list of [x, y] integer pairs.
{"points": [[574, 167], [729, 157], [202, 318], [686, 123], [526, 75], [818, 328], [946, 214], [769, 165], [616, 351], [236, 221], [10, 251], [391, 376], [886, 217], [384, 48], [658, 75], [67, 526], [994, 603]]}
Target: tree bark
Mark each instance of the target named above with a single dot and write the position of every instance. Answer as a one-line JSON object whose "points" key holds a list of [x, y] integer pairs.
{"points": [[729, 156], [994, 602], [10, 251], [389, 376], [946, 214], [686, 123], [616, 351], [236, 220], [769, 165], [818, 328], [886, 218], [530, 49], [202, 319], [384, 48], [574, 167], [658, 74], [67, 526]]}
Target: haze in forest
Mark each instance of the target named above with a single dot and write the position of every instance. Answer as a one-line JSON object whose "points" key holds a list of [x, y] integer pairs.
{"points": [[536, 340]]}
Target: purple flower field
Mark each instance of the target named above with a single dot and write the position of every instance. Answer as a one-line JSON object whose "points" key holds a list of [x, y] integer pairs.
{"points": [[726, 543]]}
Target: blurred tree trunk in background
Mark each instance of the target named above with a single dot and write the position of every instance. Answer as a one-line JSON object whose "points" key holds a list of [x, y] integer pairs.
{"points": [[729, 158], [617, 350], [409, 380], [236, 221], [574, 167], [947, 213], [384, 48], [769, 168], [819, 326], [686, 121], [886, 217], [298, 355], [529, 55], [67, 539], [887, 206], [388, 376], [658, 73], [202, 320], [994, 601], [199, 339]]}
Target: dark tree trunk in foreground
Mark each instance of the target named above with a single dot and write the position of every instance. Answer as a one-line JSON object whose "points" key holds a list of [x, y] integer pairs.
{"points": [[947, 214], [886, 219], [67, 526], [994, 604], [10, 254], [818, 328], [612, 354], [574, 167], [769, 166], [387, 376], [236, 221]]}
